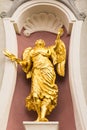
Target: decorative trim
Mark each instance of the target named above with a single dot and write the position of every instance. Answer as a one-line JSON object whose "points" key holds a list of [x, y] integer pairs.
{"points": [[3, 14], [69, 3], [42, 21], [76, 87], [9, 75], [2, 46], [31, 8]]}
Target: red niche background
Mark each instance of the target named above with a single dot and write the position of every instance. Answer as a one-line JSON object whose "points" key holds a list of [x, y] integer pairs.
{"points": [[64, 110]]}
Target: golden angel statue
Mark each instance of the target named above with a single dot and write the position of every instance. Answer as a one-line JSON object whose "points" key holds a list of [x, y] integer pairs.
{"points": [[38, 63]]}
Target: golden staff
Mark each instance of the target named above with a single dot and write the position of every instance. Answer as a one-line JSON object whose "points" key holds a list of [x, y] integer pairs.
{"points": [[57, 41], [60, 33]]}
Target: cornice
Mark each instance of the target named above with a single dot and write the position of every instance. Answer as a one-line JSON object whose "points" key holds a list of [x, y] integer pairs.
{"points": [[69, 3]]}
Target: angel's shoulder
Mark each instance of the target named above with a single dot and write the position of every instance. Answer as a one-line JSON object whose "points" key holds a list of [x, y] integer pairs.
{"points": [[26, 52]]}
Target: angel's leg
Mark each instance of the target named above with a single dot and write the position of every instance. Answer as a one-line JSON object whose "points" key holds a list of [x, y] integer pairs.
{"points": [[37, 108], [44, 109]]}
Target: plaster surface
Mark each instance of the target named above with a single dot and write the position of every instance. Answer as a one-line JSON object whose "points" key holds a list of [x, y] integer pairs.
{"points": [[83, 57], [2, 47], [8, 7]]}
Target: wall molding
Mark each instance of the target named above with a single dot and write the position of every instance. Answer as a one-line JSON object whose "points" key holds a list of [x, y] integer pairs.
{"points": [[35, 7], [69, 3], [9, 75], [76, 87]]}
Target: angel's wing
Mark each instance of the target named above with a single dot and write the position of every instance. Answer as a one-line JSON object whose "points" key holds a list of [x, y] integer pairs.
{"points": [[61, 58], [59, 55]]}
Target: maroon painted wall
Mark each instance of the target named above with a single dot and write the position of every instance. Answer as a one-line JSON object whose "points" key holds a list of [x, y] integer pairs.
{"points": [[64, 110]]}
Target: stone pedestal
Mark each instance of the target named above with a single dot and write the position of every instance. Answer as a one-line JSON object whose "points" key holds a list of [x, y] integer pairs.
{"points": [[41, 125]]}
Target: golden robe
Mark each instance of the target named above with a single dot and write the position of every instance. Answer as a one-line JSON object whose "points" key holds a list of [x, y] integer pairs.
{"points": [[43, 80]]}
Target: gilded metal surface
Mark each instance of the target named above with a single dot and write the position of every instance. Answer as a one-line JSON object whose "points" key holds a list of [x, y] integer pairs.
{"points": [[38, 63]]}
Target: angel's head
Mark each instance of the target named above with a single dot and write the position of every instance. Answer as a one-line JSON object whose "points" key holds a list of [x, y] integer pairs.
{"points": [[40, 43]]}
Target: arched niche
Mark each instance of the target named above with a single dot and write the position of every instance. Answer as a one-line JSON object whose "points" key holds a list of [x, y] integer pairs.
{"points": [[36, 7], [73, 27]]}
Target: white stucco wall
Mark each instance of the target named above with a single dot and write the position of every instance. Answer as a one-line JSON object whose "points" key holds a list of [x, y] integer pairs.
{"points": [[2, 46], [5, 5], [82, 7], [83, 57]]}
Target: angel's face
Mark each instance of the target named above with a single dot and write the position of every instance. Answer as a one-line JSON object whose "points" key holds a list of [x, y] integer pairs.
{"points": [[40, 43]]}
